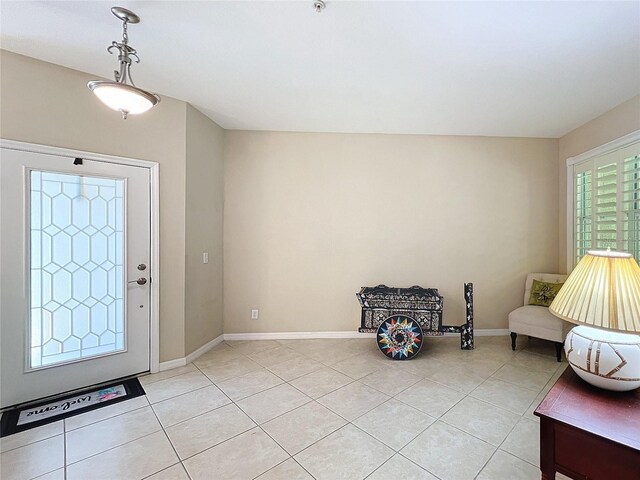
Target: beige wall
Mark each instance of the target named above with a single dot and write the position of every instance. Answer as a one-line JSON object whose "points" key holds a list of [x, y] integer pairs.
{"points": [[311, 218], [621, 120], [48, 104], [203, 282]]}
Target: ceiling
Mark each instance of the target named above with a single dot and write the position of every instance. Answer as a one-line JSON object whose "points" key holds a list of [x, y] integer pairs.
{"points": [[533, 69]]}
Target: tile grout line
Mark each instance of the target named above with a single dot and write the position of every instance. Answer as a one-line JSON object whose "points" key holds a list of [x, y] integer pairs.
{"points": [[180, 394], [485, 463], [467, 433], [408, 459], [272, 468], [496, 448], [283, 449], [217, 444], [522, 416], [64, 448], [106, 418], [197, 415], [302, 467], [42, 440], [390, 397], [315, 400], [34, 442], [382, 441], [164, 469], [142, 377], [324, 436], [113, 448], [172, 446]]}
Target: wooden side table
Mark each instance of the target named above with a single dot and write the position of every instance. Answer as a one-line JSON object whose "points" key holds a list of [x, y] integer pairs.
{"points": [[588, 433]]}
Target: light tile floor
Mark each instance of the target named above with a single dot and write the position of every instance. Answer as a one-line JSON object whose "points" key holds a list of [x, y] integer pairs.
{"points": [[310, 409]]}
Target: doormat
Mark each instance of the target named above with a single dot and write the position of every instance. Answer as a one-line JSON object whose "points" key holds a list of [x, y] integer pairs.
{"points": [[38, 414]]}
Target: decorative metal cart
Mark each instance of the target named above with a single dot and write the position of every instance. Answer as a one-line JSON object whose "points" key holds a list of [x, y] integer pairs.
{"points": [[424, 305]]}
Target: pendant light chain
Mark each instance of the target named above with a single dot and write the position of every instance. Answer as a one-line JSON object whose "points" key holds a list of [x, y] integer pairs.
{"points": [[125, 53]]}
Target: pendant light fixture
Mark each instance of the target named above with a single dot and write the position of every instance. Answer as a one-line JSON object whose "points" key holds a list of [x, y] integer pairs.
{"points": [[123, 95]]}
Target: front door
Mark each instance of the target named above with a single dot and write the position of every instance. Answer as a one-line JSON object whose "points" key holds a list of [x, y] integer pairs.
{"points": [[74, 292]]}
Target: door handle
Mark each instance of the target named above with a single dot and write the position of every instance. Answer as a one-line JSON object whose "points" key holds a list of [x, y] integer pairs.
{"points": [[140, 281]]}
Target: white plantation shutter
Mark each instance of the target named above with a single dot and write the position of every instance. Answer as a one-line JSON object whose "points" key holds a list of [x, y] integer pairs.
{"points": [[606, 218], [582, 214], [630, 215], [606, 202]]}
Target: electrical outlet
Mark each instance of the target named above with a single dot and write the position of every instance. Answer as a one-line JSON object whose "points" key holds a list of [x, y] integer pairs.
{"points": [[254, 314], [205, 257]]}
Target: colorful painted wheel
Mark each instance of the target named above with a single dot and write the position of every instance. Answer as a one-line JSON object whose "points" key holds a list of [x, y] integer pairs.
{"points": [[399, 337]]}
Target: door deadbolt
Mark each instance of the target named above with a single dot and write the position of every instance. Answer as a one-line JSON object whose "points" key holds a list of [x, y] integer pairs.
{"points": [[140, 281], [142, 266]]}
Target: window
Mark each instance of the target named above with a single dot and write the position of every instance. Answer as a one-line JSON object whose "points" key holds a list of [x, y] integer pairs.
{"points": [[604, 197]]}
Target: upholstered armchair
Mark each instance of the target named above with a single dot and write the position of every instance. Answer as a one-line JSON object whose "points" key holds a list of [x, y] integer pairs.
{"points": [[535, 320]]}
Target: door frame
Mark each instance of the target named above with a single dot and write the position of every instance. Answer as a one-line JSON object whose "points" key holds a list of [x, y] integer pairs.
{"points": [[154, 178]]}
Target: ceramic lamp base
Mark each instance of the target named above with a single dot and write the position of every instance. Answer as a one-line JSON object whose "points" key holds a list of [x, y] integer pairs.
{"points": [[604, 358]]}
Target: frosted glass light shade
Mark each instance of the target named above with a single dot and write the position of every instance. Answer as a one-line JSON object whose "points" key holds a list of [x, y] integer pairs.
{"points": [[122, 97], [602, 291]]}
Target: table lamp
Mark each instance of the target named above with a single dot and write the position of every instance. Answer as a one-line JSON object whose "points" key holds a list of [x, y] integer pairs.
{"points": [[602, 296]]}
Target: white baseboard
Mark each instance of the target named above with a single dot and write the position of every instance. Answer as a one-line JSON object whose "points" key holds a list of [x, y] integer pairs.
{"points": [[181, 362], [488, 332], [204, 349], [169, 364], [296, 335], [491, 332]]}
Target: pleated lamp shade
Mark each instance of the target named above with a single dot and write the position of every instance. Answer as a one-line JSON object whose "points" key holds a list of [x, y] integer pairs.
{"points": [[602, 291]]}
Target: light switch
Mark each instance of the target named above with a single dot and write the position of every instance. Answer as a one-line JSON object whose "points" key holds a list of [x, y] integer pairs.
{"points": [[205, 257]]}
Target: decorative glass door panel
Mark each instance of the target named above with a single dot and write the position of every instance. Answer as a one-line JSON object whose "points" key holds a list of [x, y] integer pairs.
{"points": [[77, 267], [75, 285]]}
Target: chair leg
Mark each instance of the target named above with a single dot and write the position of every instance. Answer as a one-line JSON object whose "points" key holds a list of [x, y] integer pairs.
{"points": [[559, 351], [513, 341]]}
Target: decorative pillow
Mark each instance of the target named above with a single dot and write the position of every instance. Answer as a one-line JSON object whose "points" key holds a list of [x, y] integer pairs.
{"points": [[543, 293]]}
